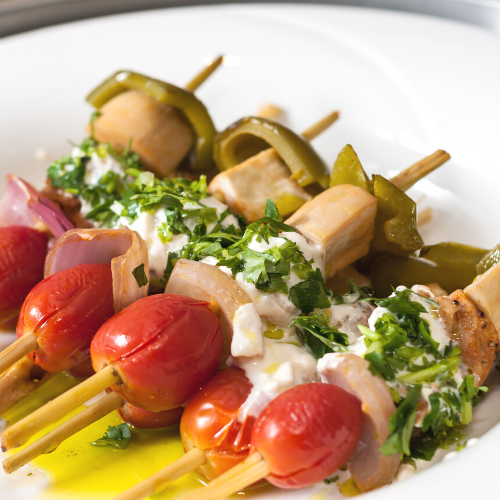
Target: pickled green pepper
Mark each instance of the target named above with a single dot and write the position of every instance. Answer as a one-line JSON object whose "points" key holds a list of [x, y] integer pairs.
{"points": [[451, 265], [182, 99], [247, 137]]}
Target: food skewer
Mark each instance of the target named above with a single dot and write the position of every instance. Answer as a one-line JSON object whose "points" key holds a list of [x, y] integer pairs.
{"points": [[159, 347], [278, 453], [252, 467], [52, 310], [162, 121]]}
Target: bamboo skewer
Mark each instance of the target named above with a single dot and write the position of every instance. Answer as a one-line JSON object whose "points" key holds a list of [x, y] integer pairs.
{"points": [[19, 380], [160, 480], [56, 409], [53, 439], [408, 177], [251, 470], [319, 127], [204, 74], [21, 347]]}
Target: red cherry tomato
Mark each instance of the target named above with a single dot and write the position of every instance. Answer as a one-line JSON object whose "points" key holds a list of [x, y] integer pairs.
{"points": [[65, 311], [22, 256], [145, 419], [307, 433], [163, 347], [210, 422], [84, 369]]}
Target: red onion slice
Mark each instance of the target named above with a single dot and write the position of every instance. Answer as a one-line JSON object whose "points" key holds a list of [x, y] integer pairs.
{"points": [[23, 205], [123, 248]]}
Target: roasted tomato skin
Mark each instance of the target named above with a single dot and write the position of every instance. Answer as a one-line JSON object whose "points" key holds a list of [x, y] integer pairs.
{"points": [[163, 347], [22, 256], [145, 419], [307, 433], [210, 422], [65, 311]]}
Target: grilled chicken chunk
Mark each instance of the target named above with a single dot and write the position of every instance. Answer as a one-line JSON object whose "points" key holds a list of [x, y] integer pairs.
{"points": [[340, 222], [246, 187], [472, 330], [160, 134], [367, 465], [484, 292]]}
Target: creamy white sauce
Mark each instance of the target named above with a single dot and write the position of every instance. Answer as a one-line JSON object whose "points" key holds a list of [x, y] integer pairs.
{"points": [[276, 307], [347, 317], [248, 338], [146, 224], [437, 327], [282, 366]]}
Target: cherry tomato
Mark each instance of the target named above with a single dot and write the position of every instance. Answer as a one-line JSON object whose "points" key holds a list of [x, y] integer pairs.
{"points": [[22, 256], [145, 419], [210, 422], [163, 347], [307, 433], [83, 369], [65, 311]]}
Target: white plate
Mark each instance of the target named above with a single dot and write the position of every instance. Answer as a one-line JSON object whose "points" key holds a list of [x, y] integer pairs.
{"points": [[406, 85]]}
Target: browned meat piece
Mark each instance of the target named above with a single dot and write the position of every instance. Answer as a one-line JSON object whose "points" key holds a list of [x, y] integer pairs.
{"points": [[471, 329]]}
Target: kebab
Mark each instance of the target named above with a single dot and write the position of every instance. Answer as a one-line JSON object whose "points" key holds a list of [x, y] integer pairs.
{"points": [[145, 360], [86, 270], [302, 437]]}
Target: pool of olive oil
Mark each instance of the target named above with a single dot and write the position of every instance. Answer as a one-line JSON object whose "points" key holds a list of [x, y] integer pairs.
{"points": [[79, 470]]}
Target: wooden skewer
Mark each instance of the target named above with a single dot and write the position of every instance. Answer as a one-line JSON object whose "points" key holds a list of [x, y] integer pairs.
{"points": [[408, 177], [19, 381], [319, 127], [53, 439], [56, 409], [204, 74], [21, 347], [270, 111], [251, 470], [159, 481]]}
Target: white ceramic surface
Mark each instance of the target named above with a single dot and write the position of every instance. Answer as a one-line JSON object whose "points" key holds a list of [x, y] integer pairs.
{"points": [[405, 85]]}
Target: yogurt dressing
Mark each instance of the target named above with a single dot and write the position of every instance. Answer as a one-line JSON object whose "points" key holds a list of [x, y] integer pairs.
{"points": [[282, 366]]}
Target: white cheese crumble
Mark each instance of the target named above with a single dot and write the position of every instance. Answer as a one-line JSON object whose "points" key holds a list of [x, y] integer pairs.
{"points": [[248, 338]]}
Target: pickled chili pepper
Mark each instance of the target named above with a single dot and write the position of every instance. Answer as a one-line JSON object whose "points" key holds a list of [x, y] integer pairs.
{"points": [[489, 260], [347, 169], [238, 142], [166, 93], [396, 222], [451, 265]]}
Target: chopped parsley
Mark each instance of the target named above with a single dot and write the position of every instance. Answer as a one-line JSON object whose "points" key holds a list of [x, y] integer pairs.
{"points": [[401, 350], [116, 436], [319, 335], [140, 276]]}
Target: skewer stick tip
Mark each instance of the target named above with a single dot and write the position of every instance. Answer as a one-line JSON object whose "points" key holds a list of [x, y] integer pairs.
{"points": [[204, 74], [319, 127], [21, 347]]}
